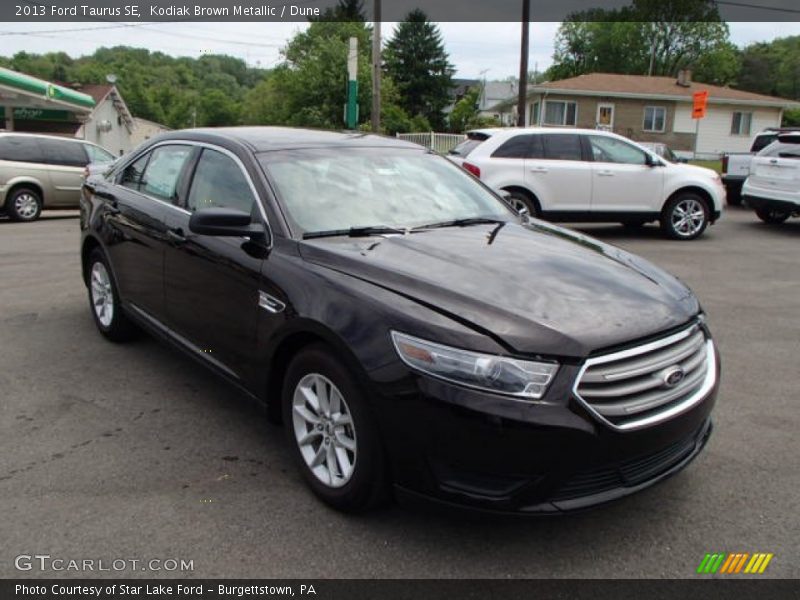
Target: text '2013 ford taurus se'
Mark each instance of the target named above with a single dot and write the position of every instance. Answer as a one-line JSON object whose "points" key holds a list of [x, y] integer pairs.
{"points": [[411, 331]]}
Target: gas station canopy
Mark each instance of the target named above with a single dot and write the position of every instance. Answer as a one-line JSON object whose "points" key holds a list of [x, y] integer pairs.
{"points": [[23, 97]]}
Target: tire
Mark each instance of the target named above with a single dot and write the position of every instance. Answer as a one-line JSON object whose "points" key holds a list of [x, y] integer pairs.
{"points": [[104, 300], [519, 199], [341, 458], [24, 204], [685, 217], [772, 216]]}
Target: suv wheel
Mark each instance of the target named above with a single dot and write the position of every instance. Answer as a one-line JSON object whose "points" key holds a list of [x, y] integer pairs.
{"points": [[24, 204], [685, 217], [332, 433], [104, 300], [771, 215], [519, 200]]}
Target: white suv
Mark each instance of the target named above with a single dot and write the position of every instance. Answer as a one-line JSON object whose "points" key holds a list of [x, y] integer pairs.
{"points": [[773, 187], [587, 175]]}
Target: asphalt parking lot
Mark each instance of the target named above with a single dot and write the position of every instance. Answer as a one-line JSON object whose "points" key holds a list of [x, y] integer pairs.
{"points": [[136, 452]]}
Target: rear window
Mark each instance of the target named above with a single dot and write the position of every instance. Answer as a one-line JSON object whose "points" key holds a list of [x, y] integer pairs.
{"points": [[781, 150], [465, 147], [20, 148], [762, 141]]}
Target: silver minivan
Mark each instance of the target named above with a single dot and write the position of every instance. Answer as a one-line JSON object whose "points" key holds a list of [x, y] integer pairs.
{"points": [[42, 171]]}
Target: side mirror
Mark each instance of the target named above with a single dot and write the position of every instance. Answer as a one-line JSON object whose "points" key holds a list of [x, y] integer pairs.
{"points": [[651, 161], [227, 222]]}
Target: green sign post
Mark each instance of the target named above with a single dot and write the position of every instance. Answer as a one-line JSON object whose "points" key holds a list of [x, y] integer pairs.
{"points": [[351, 109]]}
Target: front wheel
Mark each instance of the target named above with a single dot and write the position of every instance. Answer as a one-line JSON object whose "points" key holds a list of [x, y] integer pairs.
{"points": [[772, 215], [685, 217], [104, 300], [332, 432]]}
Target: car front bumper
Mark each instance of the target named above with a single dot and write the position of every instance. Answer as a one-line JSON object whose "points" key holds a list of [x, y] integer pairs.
{"points": [[462, 447]]}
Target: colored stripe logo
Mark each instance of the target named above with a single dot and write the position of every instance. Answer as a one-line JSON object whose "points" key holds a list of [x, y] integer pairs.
{"points": [[735, 562]]}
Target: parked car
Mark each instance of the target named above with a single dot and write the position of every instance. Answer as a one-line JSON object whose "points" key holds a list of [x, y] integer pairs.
{"points": [[736, 165], [773, 187], [41, 171], [406, 325], [663, 151], [573, 175]]}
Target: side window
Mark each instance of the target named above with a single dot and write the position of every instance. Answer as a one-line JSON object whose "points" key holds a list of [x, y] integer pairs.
{"points": [[20, 148], [163, 172], [612, 150], [219, 181], [97, 154], [64, 153], [516, 147], [132, 175], [564, 146]]}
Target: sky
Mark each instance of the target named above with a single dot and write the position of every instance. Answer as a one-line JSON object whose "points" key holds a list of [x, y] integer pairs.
{"points": [[477, 50]]}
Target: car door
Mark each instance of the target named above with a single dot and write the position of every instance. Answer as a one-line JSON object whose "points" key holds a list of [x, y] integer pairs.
{"points": [[137, 201], [66, 161], [508, 161], [558, 174], [212, 283], [623, 179]]}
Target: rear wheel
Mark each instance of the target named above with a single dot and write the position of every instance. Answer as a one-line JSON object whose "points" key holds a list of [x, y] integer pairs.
{"points": [[24, 204], [332, 432], [522, 200], [685, 217], [771, 215], [104, 300]]}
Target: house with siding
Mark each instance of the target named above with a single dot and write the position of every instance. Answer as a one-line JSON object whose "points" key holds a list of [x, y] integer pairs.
{"points": [[656, 109]]}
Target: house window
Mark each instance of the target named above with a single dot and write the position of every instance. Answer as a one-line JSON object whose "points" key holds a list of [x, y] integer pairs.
{"points": [[534, 114], [655, 118], [560, 113], [740, 124]]}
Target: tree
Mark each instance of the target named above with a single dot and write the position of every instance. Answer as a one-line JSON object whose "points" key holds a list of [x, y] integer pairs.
{"points": [[466, 116], [772, 68], [416, 60], [655, 37]]}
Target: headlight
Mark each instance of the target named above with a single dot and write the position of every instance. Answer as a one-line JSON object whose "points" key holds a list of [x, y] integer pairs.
{"points": [[521, 378]]}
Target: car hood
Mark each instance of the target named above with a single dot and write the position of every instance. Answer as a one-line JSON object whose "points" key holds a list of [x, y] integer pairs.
{"points": [[535, 288]]}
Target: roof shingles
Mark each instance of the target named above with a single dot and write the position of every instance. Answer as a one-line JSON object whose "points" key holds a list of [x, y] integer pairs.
{"points": [[640, 85]]}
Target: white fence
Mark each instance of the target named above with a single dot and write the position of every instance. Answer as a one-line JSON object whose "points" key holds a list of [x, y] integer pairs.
{"points": [[438, 142]]}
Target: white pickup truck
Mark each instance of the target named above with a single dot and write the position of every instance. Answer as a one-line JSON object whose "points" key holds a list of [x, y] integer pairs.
{"points": [[736, 165]]}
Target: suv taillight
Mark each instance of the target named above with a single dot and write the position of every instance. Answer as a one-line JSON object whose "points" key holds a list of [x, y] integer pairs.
{"points": [[725, 163], [472, 169]]}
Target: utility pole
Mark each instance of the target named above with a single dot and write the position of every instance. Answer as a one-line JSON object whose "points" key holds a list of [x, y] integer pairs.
{"points": [[351, 111], [376, 67], [523, 64]]}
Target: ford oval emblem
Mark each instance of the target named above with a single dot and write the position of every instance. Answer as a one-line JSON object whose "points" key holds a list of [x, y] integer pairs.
{"points": [[673, 376]]}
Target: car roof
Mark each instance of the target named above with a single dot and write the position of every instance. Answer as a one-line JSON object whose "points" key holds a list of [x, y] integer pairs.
{"points": [[266, 139], [42, 135]]}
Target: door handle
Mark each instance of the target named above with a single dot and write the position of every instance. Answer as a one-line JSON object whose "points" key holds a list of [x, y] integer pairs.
{"points": [[605, 173], [176, 235], [538, 170]]}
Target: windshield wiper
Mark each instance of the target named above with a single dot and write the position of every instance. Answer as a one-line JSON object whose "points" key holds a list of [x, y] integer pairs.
{"points": [[462, 223], [355, 232]]}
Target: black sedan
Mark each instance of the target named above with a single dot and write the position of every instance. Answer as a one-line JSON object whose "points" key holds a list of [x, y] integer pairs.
{"points": [[411, 331]]}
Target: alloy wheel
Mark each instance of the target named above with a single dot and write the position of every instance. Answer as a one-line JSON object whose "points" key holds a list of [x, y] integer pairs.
{"points": [[324, 430], [102, 294], [26, 205], [688, 217]]}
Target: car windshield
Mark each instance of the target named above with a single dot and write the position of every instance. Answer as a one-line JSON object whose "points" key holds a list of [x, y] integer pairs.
{"points": [[339, 189]]}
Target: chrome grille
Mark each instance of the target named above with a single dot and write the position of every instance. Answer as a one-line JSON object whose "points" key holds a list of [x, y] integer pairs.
{"points": [[650, 383]]}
